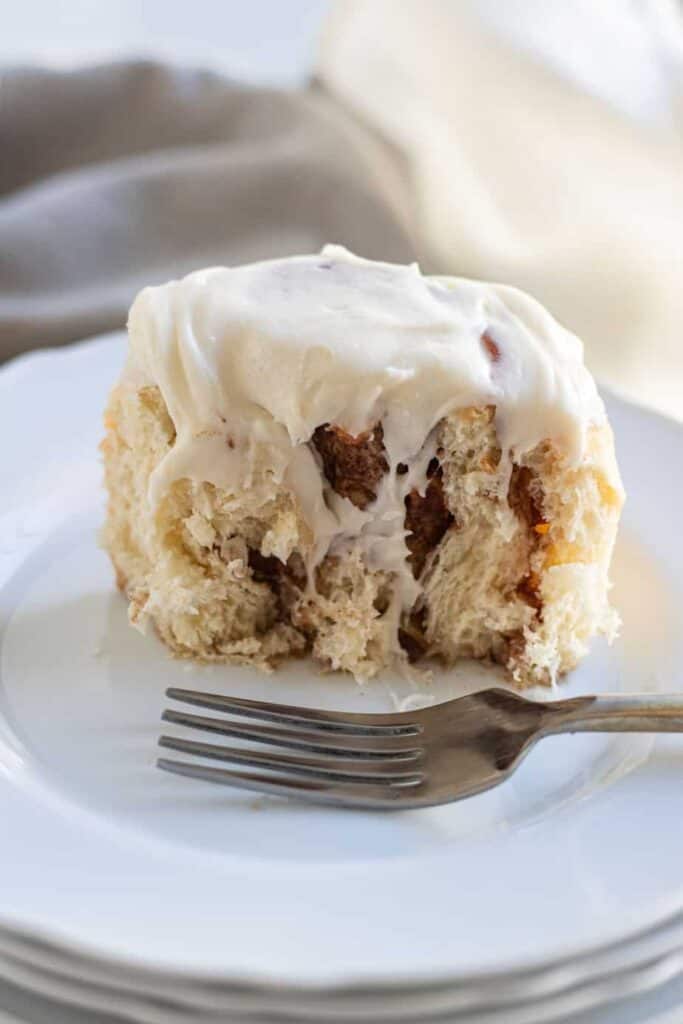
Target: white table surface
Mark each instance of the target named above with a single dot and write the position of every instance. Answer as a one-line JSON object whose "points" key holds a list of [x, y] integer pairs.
{"points": [[262, 41]]}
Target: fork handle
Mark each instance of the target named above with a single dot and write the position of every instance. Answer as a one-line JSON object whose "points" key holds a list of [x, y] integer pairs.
{"points": [[646, 712]]}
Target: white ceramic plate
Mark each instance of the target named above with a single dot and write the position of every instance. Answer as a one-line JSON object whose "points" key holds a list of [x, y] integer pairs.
{"points": [[146, 1010], [103, 852], [611, 975]]}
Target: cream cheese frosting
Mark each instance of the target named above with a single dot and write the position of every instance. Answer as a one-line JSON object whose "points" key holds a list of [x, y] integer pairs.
{"points": [[251, 360]]}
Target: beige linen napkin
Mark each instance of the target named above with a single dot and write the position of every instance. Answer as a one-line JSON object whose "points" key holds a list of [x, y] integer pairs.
{"points": [[115, 177], [543, 142]]}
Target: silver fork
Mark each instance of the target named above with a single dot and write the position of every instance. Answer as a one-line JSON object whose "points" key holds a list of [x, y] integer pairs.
{"points": [[408, 759]]}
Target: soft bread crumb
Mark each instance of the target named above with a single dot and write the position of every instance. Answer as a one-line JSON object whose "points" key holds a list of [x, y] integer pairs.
{"points": [[518, 573]]}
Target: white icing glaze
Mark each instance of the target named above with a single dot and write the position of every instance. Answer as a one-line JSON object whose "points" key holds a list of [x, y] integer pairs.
{"points": [[265, 353]]}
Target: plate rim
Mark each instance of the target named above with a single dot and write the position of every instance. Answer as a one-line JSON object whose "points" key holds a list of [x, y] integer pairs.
{"points": [[647, 975]]}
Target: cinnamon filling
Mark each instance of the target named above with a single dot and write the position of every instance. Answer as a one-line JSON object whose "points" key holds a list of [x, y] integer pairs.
{"points": [[352, 465], [525, 499], [427, 519], [411, 634], [286, 580]]}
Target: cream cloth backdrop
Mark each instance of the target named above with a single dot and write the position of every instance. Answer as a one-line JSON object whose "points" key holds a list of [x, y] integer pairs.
{"points": [[543, 140], [538, 142]]}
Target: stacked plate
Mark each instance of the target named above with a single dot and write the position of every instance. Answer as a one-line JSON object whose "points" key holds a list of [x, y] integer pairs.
{"points": [[159, 899]]}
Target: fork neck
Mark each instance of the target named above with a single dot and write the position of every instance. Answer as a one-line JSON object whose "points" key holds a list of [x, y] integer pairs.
{"points": [[646, 712]]}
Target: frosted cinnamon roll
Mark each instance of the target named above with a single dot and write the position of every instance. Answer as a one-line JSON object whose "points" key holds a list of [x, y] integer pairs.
{"points": [[330, 456]]}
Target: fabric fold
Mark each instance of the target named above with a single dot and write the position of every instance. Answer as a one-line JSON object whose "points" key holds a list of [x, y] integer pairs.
{"points": [[116, 177]]}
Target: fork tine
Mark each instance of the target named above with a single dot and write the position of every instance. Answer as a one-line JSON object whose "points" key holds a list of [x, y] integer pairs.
{"points": [[310, 718], [380, 797], [313, 743], [326, 769]]}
